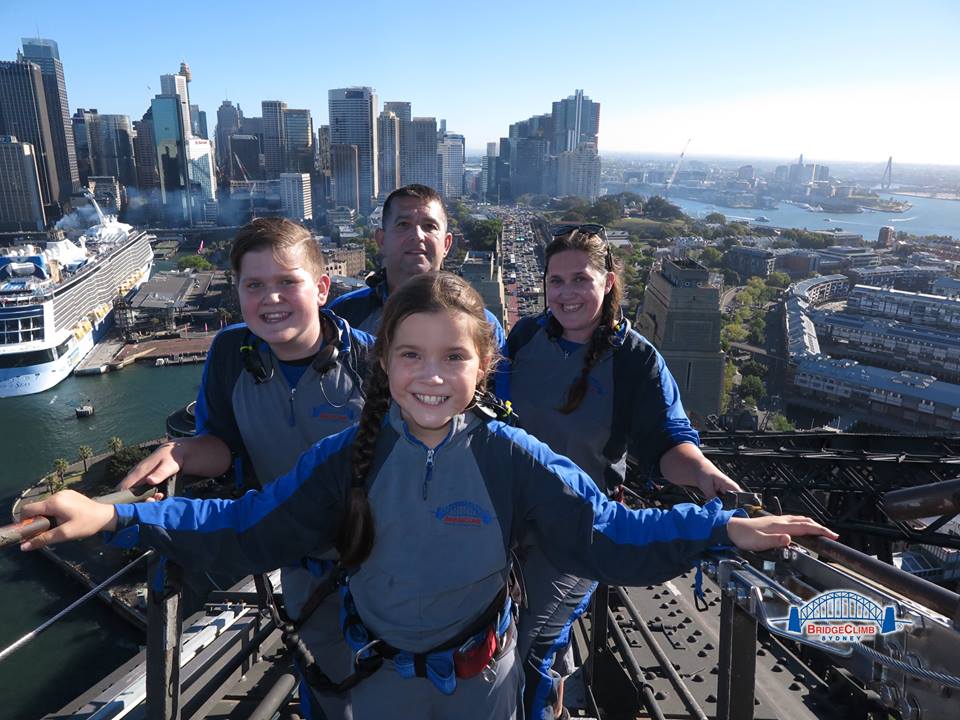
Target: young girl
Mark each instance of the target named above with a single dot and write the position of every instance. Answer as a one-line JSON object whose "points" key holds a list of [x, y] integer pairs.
{"points": [[424, 498], [589, 386], [272, 386]]}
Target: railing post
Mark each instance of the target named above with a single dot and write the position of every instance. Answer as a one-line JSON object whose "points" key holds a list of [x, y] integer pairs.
{"points": [[737, 672], [164, 630], [599, 631]]}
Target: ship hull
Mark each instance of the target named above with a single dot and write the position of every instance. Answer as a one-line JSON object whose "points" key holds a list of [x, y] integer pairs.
{"points": [[33, 379]]}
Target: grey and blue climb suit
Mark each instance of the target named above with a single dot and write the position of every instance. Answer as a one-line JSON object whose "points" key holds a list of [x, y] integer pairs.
{"points": [[445, 520], [632, 402], [268, 425]]}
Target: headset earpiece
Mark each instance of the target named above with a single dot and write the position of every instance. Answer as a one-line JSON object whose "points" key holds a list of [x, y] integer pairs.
{"points": [[327, 359], [252, 362]]}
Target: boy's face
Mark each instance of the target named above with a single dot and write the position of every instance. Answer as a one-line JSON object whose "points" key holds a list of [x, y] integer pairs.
{"points": [[434, 368], [413, 239], [280, 300]]}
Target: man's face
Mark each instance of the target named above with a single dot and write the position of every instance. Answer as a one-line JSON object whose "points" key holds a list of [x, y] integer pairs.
{"points": [[413, 239]]}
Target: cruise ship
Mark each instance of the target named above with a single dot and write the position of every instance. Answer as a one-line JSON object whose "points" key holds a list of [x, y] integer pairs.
{"points": [[56, 299]]}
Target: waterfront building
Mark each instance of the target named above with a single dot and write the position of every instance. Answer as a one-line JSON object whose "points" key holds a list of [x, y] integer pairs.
{"points": [[345, 176], [423, 152], [23, 114], [295, 196], [274, 141], [46, 55], [21, 202], [353, 113], [228, 123], [405, 148], [917, 308], [388, 134], [681, 318], [451, 156], [107, 192]]}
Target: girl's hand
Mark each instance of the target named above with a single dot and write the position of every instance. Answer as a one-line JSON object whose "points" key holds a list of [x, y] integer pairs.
{"points": [[772, 531], [76, 517]]}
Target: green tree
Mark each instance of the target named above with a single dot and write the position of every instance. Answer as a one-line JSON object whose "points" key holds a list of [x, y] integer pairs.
{"points": [[778, 280], [662, 209], [194, 262], [85, 452], [56, 482], [711, 257], [115, 444], [123, 460], [779, 423], [717, 218], [605, 211], [752, 386]]}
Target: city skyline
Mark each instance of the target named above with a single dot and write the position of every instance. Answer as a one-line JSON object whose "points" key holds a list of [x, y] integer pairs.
{"points": [[858, 83]]}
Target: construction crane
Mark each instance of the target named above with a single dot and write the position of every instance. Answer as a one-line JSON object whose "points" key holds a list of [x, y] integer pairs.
{"points": [[887, 176], [676, 169]]}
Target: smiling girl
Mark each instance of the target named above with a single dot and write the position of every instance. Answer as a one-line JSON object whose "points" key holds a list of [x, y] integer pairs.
{"points": [[425, 497]]}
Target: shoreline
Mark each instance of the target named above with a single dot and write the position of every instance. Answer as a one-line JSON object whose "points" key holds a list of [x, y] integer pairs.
{"points": [[928, 196]]}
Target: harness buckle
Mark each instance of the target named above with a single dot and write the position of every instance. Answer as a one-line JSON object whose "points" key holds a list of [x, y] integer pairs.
{"points": [[357, 659]]}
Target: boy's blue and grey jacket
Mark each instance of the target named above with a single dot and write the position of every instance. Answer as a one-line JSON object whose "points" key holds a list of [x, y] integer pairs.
{"points": [[445, 521], [362, 308], [632, 402]]}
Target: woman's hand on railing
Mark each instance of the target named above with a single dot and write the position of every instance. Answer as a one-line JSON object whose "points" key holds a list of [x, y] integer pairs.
{"points": [[75, 516]]}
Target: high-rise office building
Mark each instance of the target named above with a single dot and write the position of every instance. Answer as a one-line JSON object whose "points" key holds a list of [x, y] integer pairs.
{"points": [[296, 197], [323, 148], [298, 137], [228, 123], [171, 153], [21, 203], [528, 165], [578, 172], [46, 54], [681, 317], [23, 114], [405, 119], [450, 150], [576, 119], [198, 122], [245, 157], [81, 142], [274, 142], [107, 191], [178, 84], [488, 173], [345, 176], [423, 152], [111, 149], [388, 133], [353, 113], [145, 152]]}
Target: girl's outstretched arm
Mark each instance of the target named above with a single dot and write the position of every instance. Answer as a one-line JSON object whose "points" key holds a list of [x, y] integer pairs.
{"points": [[773, 531], [76, 517]]}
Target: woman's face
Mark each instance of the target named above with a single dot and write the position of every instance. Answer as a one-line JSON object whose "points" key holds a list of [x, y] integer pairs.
{"points": [[575, 292]]}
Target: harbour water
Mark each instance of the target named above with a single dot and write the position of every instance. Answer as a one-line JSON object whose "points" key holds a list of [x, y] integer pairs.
{"points": [[35, 430], [926, 217]]}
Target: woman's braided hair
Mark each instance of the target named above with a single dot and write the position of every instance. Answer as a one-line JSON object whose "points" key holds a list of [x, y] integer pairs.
{"points": [[601, 259], [426, 293]]}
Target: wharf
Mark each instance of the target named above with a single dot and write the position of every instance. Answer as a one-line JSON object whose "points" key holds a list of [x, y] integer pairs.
{"points": [[115, 355]]}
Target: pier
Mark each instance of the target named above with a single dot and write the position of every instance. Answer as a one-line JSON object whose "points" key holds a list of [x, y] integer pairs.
{"points": [[115, 354]]}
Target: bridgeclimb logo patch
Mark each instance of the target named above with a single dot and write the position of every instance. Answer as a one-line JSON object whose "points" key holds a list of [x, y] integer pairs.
{"points": [[842, 616], [463, 513]]}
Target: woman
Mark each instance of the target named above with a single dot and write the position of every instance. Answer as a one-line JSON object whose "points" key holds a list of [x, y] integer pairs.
{"points": [[587, 384]]}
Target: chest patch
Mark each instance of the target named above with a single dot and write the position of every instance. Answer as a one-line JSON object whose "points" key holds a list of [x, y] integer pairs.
{"points": [[463, 513]]}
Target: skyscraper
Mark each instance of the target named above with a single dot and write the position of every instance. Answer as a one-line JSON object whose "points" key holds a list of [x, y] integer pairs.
{"points": [[21, 204], [353, 113], [145, 152], [23, 114], [274, 142], [228, 123], [345, 175], [46, 54], [81, 142], [405, 121], [171, 154], [423, 152], [298, 136], [576, 119], [111, 147], [203, 179], [450, 150], [177, 84], [578, 172], [388, 133]]}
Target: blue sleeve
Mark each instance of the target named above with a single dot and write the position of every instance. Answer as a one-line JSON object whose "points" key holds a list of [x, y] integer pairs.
{"points": [[584, 533], [214, 409], [659, 421], [264, 529], [501, 377]]}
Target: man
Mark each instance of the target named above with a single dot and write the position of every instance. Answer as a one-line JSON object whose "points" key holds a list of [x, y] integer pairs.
{"points": [[413, 239]]}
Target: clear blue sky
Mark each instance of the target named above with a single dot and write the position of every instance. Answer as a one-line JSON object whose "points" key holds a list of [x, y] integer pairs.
{"points": [[834, 80]]}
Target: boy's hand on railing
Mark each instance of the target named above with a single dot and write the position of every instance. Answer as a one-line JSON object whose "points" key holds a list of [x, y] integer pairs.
{"points": [[75, 516], [164, 462], [772, 531]]}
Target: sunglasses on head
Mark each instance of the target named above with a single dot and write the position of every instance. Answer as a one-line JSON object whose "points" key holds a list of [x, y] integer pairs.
{"points": [[588, 228]]}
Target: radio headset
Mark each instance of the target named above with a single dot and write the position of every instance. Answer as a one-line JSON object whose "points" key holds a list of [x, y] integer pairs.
{"points": [[324, 361]]}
